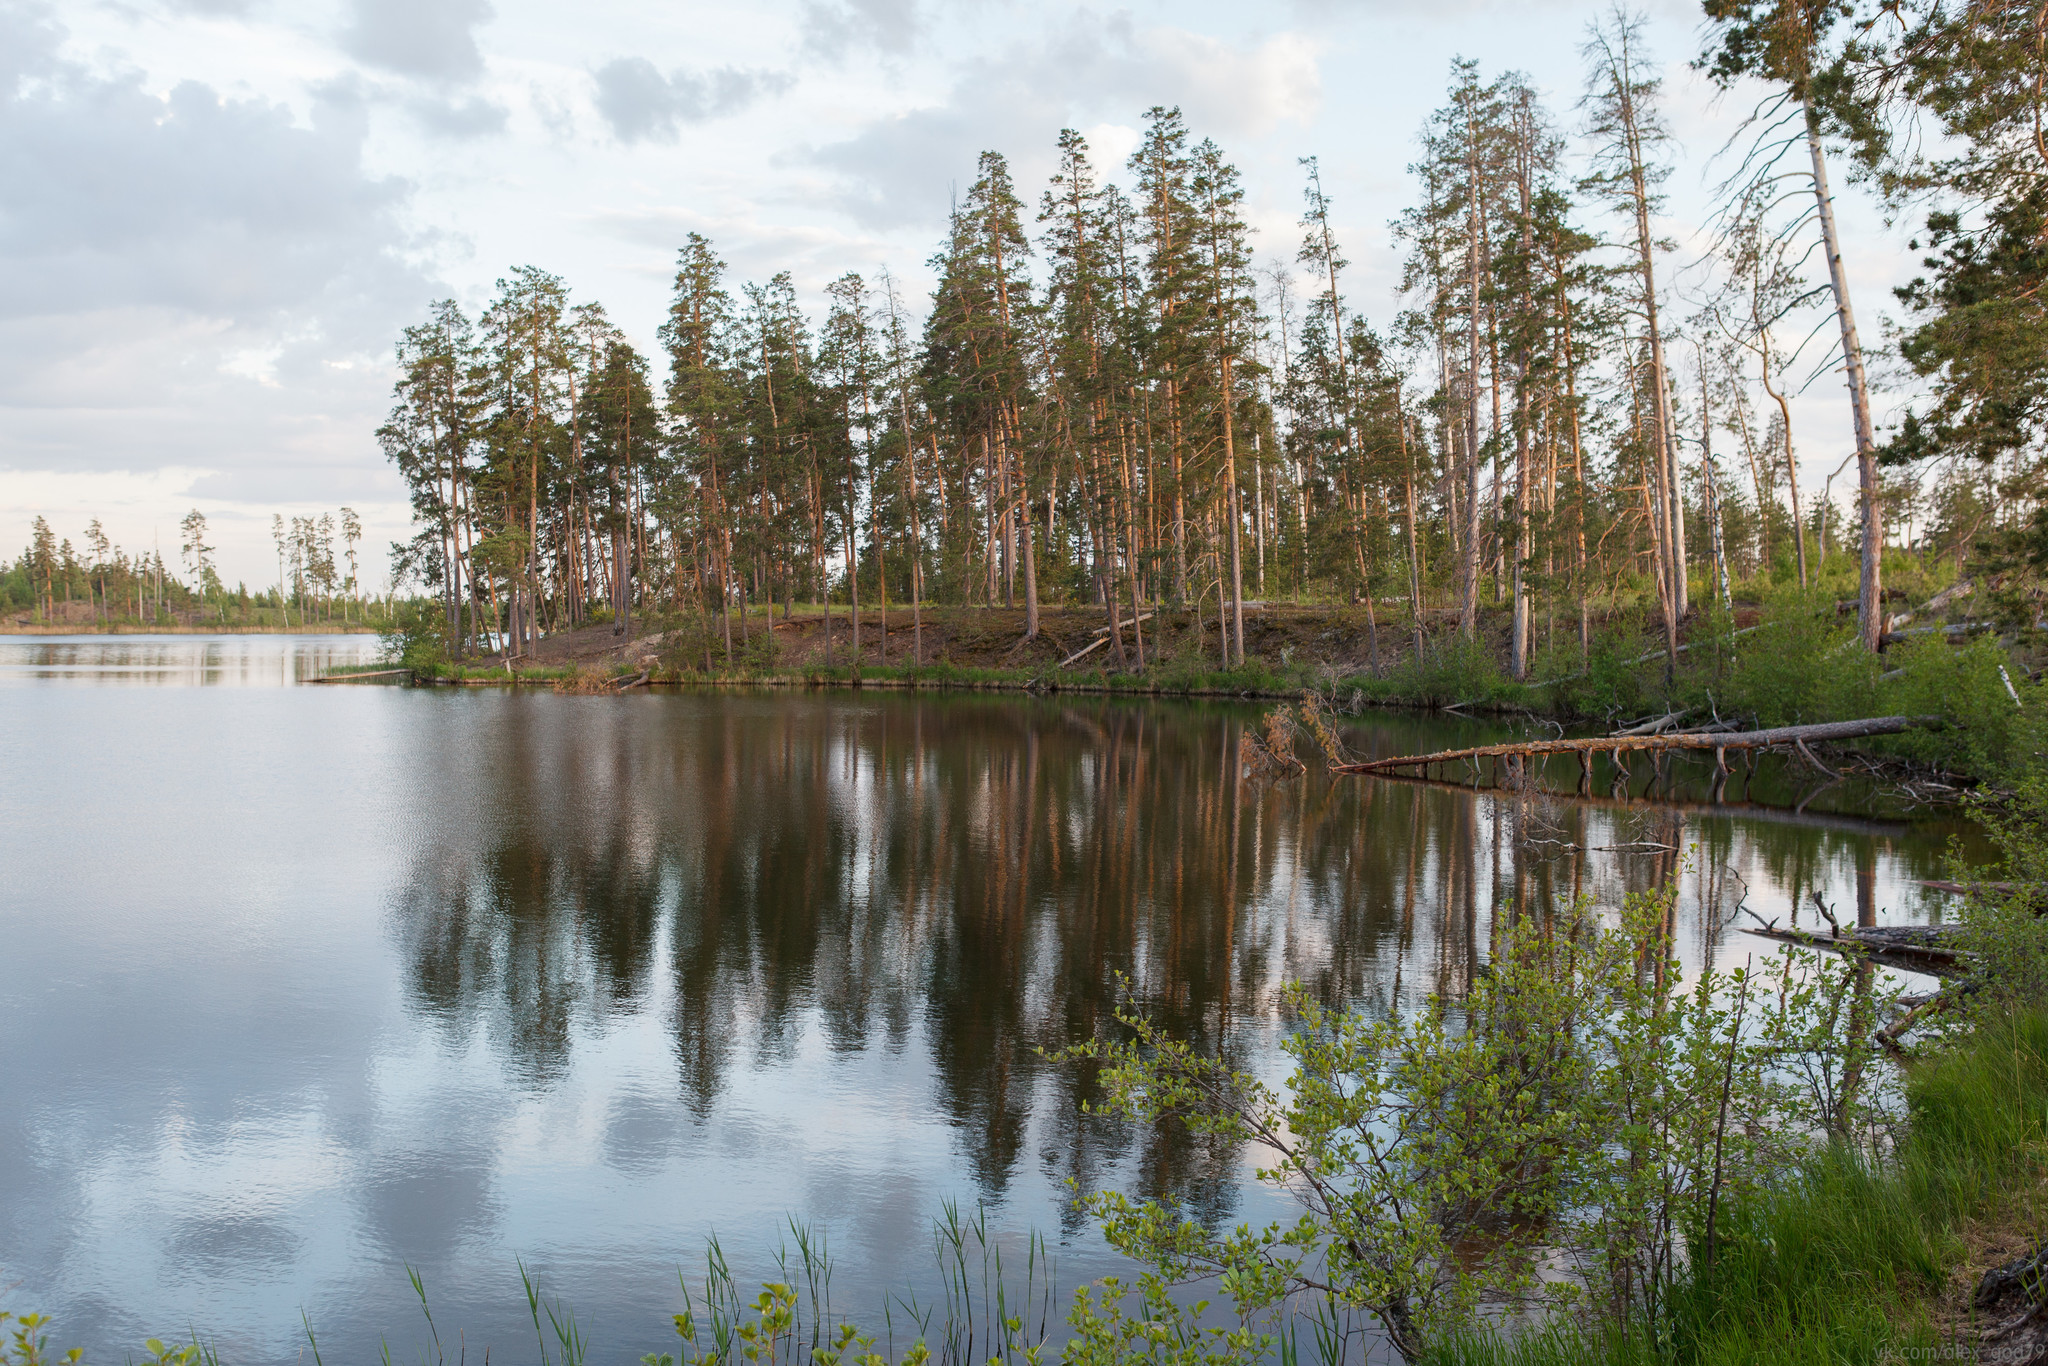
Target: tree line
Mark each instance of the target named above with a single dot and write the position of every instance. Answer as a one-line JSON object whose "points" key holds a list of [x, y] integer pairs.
{"points": [[1110, 400], [318, 558]]}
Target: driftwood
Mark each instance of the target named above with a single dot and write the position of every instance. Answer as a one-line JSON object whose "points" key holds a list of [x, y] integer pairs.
{"points": [[1718, 741], [1961, 628], [1920, 948], [1656, 725], [351, 678]]}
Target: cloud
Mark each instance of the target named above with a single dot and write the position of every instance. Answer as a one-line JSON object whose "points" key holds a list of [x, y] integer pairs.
{"points": [[474, 117], [194, 281], [189, 201], [642, 105], [428, 39], [211, 9], [833, 28], [1089, 68]]}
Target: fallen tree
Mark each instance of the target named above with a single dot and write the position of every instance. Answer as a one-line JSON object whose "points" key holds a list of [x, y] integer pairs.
{"points": [[1796, 737]]}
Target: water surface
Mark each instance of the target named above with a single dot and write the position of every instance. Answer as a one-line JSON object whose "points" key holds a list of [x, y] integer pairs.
{"points": [[308, 985]]}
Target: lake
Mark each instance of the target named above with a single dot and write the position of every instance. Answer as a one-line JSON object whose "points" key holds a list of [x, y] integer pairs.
{"points": [[307, 986]]}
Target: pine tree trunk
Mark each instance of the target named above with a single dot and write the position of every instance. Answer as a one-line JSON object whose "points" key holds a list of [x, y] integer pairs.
{"points": [[1414, 549], [1665, 447], [1870, 592], [1235, 514], [1030, 578], [1468, 586]]}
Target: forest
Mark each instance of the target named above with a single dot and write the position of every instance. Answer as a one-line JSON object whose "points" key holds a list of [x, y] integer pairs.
{"points": [[1111, 399], [101, 584]]}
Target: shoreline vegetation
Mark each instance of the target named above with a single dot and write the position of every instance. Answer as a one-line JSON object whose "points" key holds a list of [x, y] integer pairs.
{"points": [[1780, 659], [1113, 417], [182, 628]]}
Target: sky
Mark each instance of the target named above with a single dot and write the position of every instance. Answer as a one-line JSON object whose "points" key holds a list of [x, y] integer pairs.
{"points": [[219, 214]]}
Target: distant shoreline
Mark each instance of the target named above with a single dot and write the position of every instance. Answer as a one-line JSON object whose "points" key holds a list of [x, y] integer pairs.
{"points": [[55, 629]]}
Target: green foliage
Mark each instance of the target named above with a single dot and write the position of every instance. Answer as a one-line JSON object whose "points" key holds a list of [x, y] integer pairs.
{"points": [[1802, 665], [1988, 732], [1615, 682], [28, 1345], [1451, 671], [1837, 1259], [692, 644], [1162, 1332], [1576, 1103], [2005, 932], [415, 637]]}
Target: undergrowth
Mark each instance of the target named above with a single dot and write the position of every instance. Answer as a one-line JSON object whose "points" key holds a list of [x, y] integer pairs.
{"points": [[1846, 1260]]}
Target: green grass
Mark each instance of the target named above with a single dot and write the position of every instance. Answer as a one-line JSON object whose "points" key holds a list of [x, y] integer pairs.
{"points": [[1843, 1262], [497, 673], [1255, 678]]}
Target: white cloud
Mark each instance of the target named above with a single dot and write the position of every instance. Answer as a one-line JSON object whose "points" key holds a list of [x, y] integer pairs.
{"points": [[1085, 68], [433, 40], [641, 104], [179, 268], [834, 28]]}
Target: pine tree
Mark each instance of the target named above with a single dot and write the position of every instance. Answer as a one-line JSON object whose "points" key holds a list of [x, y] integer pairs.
{"points": [[528, 368], [1784, 42], [1173, 299], [1625, 123], [701, 406]]}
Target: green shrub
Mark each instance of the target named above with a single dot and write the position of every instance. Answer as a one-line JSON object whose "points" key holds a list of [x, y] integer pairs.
{"points": [[1616, 681], [416, 637], [1839, 1260], [1803, 665], [1987, 729], [1452, 670]]}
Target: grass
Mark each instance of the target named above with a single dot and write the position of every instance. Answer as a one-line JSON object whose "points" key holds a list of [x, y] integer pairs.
{"points": [[987, 1312], [1850, 1259]]}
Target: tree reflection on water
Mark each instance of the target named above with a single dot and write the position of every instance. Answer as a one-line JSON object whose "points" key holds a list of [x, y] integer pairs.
{"points": [[967, 882]]}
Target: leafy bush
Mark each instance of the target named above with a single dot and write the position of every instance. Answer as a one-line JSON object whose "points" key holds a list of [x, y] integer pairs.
{"points": [[1803, 665], [1842, 1256], [1576, 1103], [1987, 731], [1615, 682], [1451, 670], [415, 637]]}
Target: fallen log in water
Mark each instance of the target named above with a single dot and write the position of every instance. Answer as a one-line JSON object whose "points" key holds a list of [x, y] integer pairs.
{"points": [[1718, 741], [1931, 949], [351, 678], [1983, 888], [1739, 810]]}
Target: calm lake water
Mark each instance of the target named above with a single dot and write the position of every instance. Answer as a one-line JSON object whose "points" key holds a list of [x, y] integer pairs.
{"points": [[309, 985]]}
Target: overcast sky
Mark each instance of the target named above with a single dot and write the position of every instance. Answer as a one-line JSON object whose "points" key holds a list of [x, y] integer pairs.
{"points": [[217, 214]]}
